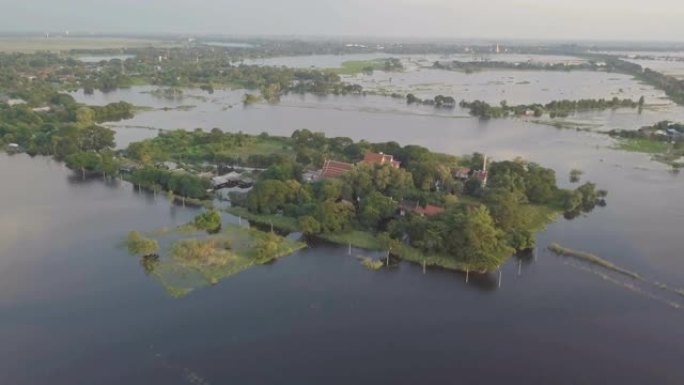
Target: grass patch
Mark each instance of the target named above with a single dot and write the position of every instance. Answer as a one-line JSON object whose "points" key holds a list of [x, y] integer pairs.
{"points": [[591, 258], [357, 238], [566, 125], [279, 222], [369, 241], [539, 216], [353, 67], [643, 145]]}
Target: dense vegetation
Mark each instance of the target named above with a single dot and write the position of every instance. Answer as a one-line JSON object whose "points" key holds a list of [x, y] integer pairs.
{"points": [[477, 66], [209, 221], [478, 226], [439, 101], [139, 245], [556, 108], [665, 140]]}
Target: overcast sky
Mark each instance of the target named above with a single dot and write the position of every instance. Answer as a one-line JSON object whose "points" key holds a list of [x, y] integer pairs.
{"points": [[552, 19]]}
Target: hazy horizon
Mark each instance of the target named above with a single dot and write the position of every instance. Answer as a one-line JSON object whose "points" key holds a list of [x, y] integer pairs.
{"points": [[610, 20]]}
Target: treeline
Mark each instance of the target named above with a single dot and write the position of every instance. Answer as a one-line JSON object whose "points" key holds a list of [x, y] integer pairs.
{"points": [[177, 182], [199, 147], [664, 131], [439, 101], [476, 66], [556, 108], [673, 87], [63, 129], [29, 75]]}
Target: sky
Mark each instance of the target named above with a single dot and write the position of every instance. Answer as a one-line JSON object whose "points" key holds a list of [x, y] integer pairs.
{"points": [[659, 20]]}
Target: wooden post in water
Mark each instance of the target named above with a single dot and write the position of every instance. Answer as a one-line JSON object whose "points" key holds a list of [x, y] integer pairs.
{"points": [[423, 266], [388, 253], [499, 277], [467, 274]]}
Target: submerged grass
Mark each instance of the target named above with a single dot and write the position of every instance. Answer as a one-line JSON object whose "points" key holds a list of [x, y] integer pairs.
{"points": [[646, 146], [370, 263], [192, 263], [353, 67], [356, 238], [279, 221], [593, 259]]}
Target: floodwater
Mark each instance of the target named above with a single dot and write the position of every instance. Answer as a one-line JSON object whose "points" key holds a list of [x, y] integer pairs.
{"points": [[76, 308], [99, 58], [409, 61]]}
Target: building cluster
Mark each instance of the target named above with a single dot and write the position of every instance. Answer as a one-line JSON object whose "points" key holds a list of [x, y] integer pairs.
{"points": [[334, 169]]}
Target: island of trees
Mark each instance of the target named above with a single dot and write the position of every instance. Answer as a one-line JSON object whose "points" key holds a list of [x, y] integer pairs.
{"points": [[426, 207], [556, 108]]}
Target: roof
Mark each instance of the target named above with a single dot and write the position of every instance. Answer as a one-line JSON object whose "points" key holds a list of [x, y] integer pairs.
{"points": [[481, 175], [461, 172], [415, 207], [380, 158], [223, 179], [333, 168]]}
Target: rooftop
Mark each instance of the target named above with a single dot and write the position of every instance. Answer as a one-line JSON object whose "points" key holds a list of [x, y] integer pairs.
{"points": [[334, 169], [380, 158]]}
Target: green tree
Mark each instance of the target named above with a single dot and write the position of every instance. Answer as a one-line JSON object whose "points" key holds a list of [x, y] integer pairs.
{"points": [[375, 209], [139, 245], [309, 225], [267, 247], [209, 221]]}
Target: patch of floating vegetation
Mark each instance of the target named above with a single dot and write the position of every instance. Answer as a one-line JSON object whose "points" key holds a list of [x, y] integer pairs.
{"points": [[591, 258], [191, 258], [598, 261], [567, 125], [629, 286]]}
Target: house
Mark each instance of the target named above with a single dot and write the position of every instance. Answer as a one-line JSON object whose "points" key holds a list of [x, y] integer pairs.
{"points": [[13, 147], [482, 176], [311, 176], [461, 173], [171, 166], [334, 169], [674, 134], [414, 207], [380, 158], [228, 180], [15, 102]]}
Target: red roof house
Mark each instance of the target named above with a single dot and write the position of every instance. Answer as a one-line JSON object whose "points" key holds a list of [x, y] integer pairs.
{"points": [[414, 207], [380, 158], [333, 168]]}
